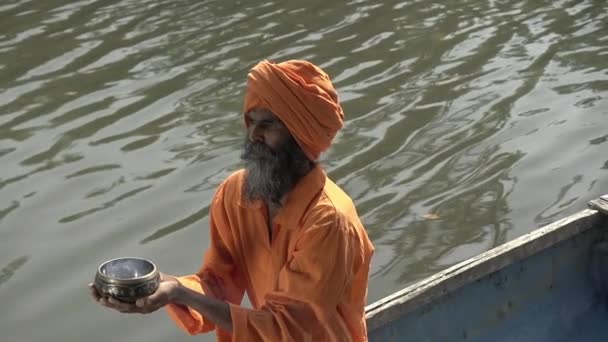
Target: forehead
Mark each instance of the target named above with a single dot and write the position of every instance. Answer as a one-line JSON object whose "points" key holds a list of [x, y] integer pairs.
{"points": [[259, 114]]}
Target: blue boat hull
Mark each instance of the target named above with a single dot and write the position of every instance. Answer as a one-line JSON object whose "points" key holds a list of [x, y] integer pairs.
{"points": [[557, 293]]}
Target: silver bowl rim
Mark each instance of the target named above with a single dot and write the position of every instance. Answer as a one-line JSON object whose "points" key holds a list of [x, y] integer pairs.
{"points": [[141, 279]]}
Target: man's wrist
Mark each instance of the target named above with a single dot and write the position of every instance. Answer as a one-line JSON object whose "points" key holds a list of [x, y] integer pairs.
{"points": [[177, 294]]}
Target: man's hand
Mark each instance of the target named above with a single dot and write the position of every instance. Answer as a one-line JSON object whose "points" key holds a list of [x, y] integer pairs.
{"points": [[163, 296]]}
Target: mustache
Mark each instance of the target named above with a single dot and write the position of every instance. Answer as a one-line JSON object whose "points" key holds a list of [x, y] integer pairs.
{"points": [[252, 150]]}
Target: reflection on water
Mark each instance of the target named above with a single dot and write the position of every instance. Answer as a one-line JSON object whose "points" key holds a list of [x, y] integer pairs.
{"points": [[9, 270], [182, 223], [468, 124]]}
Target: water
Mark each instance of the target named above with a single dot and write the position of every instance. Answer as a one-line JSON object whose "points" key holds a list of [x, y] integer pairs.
{"points": [[469, 124]]}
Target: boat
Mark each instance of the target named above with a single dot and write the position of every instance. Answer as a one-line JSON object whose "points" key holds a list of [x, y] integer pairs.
{"points": [[548, 285]]}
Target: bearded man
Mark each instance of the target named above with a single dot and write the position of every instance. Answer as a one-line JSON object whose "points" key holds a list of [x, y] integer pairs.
{"points": [[280, 229]]}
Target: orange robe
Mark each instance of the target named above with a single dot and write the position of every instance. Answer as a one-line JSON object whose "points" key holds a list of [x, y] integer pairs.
{"points": [[309, 283]]}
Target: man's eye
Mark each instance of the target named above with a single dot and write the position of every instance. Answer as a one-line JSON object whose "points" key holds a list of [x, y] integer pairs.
{"points": [[267, 123]]}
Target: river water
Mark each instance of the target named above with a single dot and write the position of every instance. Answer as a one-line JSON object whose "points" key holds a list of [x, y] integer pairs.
{"points": [[468, 124]]}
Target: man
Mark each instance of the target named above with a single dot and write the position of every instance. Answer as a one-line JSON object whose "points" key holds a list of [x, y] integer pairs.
{"points": [[280, 229]]}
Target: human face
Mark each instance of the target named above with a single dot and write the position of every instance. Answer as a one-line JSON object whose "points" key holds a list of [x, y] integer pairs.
{"points": [[263, 126], [273, 160]]}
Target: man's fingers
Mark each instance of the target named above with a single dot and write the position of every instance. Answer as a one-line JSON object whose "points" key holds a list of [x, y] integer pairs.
{"points": [[104, 301], [141, 302], [142, 305], [122, 306], [117, 305], [93, 292], [149, 304], [165, 277]]}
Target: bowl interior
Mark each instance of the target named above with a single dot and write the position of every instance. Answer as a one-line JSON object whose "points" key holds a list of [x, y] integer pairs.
{"points": [[126, 268]]}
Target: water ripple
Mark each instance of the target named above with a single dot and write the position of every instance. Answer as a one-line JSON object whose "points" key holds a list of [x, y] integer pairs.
{"points": [[467, 124]]}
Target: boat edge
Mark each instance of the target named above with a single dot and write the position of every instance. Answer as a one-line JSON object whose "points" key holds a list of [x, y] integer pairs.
{"points": [[434, 287]]}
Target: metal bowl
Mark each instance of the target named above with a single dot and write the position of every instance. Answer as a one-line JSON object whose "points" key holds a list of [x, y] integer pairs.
{"points": [[127, 279]]}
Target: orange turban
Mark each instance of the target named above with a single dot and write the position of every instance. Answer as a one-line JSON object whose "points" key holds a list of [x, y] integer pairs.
{"points": [[301, 95]]}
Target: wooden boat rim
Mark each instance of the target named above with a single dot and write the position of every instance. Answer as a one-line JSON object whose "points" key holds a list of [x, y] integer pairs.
{"points": [[428, 290]]}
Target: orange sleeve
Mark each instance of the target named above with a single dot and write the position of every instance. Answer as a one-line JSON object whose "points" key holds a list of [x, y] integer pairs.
{"points": [[311, 285], [218, 277]]}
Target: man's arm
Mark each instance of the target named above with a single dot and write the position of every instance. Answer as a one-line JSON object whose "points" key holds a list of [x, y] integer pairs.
{"points": [[188, 299], [216, 311], [171, 291], [304, 305]]}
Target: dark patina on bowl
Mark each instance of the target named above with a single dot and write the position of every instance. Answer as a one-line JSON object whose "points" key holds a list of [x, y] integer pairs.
{"points": [[127, 279]]}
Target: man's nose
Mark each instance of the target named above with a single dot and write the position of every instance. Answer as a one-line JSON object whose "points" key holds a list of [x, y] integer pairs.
{"points": [[255, 133]]}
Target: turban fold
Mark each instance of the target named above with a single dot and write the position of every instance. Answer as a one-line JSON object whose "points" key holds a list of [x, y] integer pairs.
{"points": [[302, 96]]}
